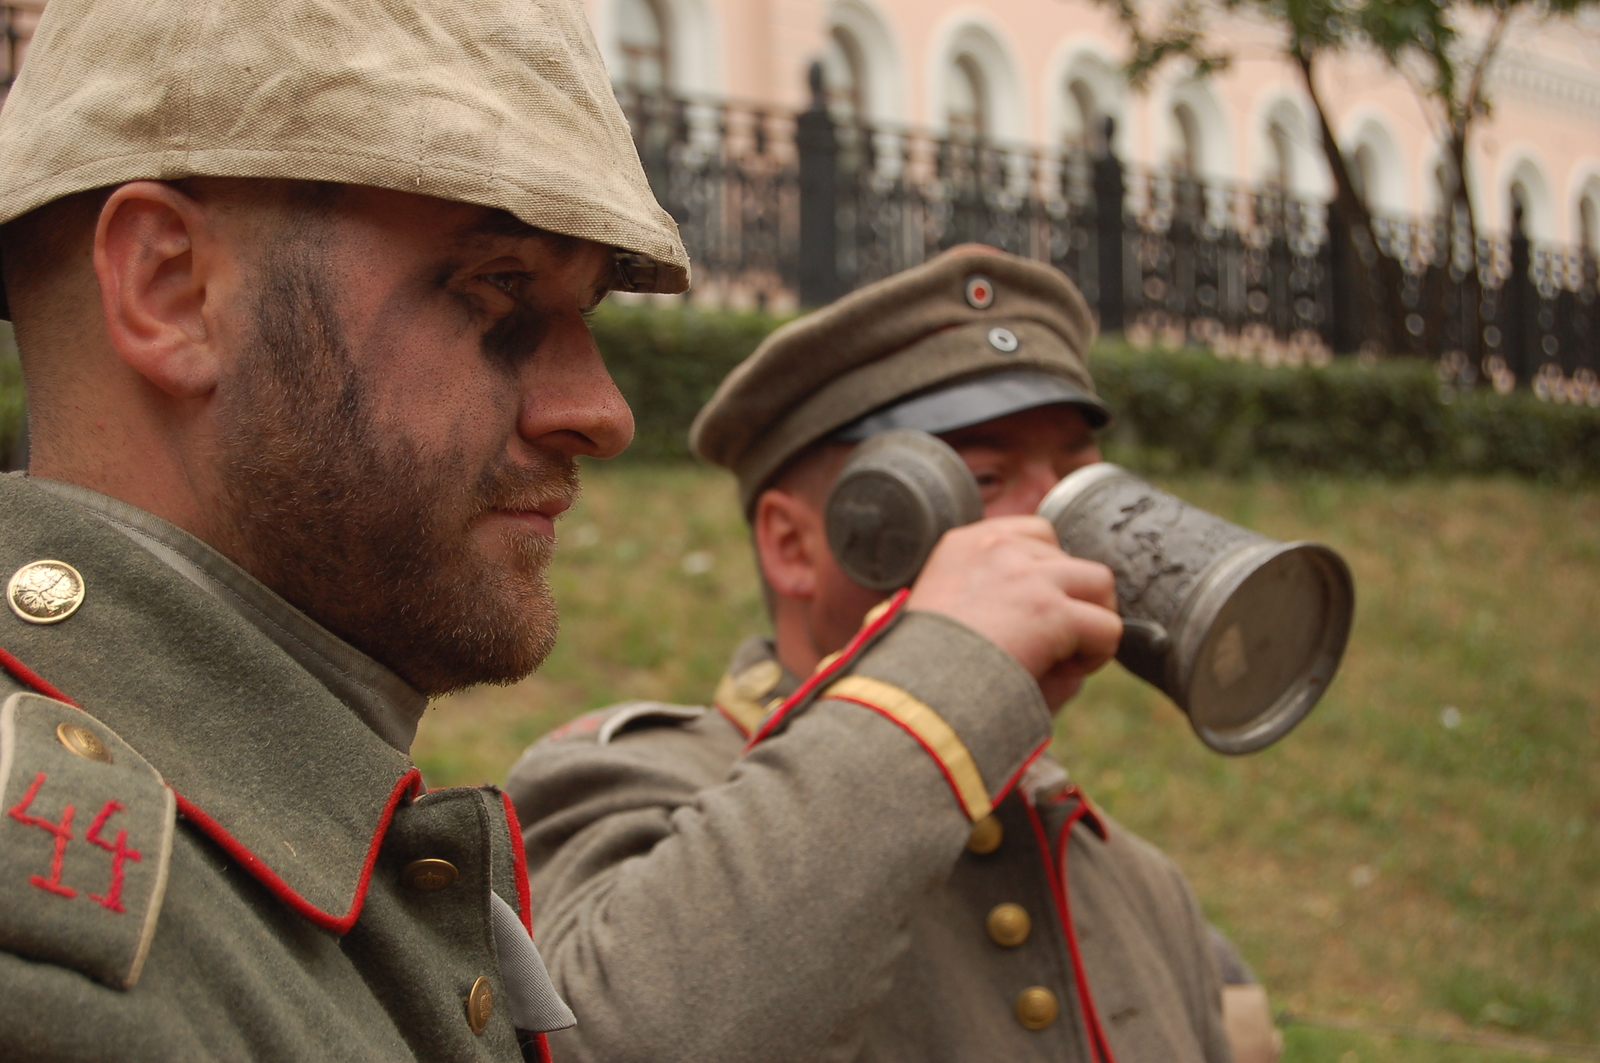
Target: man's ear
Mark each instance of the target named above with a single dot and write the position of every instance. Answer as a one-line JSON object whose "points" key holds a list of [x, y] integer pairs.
{"points": [[787, 531], [155, 253]]}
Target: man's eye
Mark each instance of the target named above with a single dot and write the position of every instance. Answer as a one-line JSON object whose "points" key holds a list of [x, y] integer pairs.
{"points": [[506, 282]]}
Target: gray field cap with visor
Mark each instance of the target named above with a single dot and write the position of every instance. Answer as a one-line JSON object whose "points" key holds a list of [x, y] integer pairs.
{"points": [[970, 335], [501, 103]]}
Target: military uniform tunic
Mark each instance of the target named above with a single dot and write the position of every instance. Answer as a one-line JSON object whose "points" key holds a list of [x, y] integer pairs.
{"points": [[220, 849], [709, 885]]}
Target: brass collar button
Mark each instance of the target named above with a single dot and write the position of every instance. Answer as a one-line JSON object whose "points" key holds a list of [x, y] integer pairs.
{"points": [[1036, 1007], [986, 836], [82, 741], [45, 592], [480, 1005], [429, 875], [1009, 925]]}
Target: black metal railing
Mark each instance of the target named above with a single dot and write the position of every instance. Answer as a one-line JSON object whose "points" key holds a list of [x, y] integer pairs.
{"points": [[798, 209]]}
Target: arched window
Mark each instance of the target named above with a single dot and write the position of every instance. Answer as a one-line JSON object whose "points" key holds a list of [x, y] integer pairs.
{"points": [[1084, 122], [642, 44], [968, 102], [1589, 223], [1280, 174], [844, 77], [1186, 152], [1520, 201], [1364, 174]]}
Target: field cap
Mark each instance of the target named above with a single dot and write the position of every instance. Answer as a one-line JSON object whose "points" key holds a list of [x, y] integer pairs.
{"points": [[970, 335], [501, 103]]}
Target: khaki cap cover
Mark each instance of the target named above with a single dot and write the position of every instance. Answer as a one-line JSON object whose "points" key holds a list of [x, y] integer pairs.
{"points": [[503, 103], [887, 341]]}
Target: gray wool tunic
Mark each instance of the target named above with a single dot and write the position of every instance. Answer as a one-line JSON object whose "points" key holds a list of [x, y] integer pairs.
{"points": [[218, 871], [822, 895]]}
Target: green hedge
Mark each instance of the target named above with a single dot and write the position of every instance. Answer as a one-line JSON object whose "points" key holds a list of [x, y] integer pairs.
{"points": [[1187, 409], [1175, 409]]}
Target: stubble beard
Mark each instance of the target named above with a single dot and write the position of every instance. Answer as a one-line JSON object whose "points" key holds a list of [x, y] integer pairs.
{"points": [[357, 528]]}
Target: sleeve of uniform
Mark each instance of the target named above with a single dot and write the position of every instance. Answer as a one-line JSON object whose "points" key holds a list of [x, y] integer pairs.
{"points": [[692, 912]]}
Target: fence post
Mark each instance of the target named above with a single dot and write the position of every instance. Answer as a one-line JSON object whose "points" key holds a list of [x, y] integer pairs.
{"points": [[1520, 300], [818, 148], [1109, 191]]}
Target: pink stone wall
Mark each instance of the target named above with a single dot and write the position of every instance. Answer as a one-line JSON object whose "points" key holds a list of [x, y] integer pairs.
{"points": [[1544, 131]]}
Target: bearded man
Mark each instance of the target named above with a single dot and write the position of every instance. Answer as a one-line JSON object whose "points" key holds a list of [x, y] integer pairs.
{"points": [[877, 866], [300, 292]]}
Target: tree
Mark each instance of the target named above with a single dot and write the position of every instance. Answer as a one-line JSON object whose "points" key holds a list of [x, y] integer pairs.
{"points": [[1426, 41]]}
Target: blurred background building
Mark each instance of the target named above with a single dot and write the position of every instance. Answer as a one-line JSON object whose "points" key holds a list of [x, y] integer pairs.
{"points": [[1044, 72]]}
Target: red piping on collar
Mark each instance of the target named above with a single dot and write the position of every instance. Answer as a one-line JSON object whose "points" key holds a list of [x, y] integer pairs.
{"points": [[821, 676], [339, 924], [1056, 873], [519, 868], [33, 679], [519, 864]]}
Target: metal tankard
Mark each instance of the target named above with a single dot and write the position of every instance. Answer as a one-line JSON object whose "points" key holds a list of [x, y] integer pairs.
{"points": [[1243, 632]]}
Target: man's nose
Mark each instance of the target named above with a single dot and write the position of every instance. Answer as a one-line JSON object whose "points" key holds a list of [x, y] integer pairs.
{"points": [[1026, 489], [570, 404]]}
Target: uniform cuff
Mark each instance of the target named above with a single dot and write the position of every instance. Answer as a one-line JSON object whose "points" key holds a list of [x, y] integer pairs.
{"points": [[971, 707]]}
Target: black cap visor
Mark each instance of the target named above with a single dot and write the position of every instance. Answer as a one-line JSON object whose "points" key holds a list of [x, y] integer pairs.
{"points": [[973, 401]]}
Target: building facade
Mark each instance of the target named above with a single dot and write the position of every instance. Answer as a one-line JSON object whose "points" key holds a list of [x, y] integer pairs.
{"points": [[1042, 72]]}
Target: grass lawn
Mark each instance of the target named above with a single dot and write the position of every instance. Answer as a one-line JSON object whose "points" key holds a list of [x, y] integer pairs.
{"points": [[1423, 851]]}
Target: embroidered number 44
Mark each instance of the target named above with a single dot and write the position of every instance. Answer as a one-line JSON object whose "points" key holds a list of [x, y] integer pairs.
{"points": [[120, 853], [62, 832]]}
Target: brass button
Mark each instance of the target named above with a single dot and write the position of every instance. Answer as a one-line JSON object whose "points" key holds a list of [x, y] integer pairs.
{"points": [[45, 592], [1036, 1007], [480, 1004], [986, 836], [429, 874], [83, 742], [1009, 925]]}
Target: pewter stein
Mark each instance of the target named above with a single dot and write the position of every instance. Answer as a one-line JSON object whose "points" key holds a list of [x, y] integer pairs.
{"points": [[1242, 631], [899, 492]]}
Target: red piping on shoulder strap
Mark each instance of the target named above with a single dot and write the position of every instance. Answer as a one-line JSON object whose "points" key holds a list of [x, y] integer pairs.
{"points": [[821, 676], [519, 864], [33, 679], [1056, 873], [542, 1046], [339, 924]]}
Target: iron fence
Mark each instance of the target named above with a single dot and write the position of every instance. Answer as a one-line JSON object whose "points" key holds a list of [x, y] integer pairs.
{"points": [[799, 209]]}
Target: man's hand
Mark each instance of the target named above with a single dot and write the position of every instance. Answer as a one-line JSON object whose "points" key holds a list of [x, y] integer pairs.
{"points": [[1009, 580]]}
